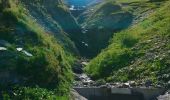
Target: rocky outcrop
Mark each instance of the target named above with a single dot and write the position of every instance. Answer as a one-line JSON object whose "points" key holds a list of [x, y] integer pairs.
{"points": [[165, 96]]}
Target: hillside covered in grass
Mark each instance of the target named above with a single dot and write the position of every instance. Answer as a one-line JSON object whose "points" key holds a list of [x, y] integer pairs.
{"points": [[33, 63], [139, 53], [41, 41], [56, 19], [102, 20]]}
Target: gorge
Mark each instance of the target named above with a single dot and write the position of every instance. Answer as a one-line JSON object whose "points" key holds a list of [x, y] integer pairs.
{"points": [[103, 49]]}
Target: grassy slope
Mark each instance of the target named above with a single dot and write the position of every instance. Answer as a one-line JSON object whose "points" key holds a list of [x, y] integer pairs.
{"points": [[104, 19], [99, 21], [52, 15], [49, 67], [138, 53]]}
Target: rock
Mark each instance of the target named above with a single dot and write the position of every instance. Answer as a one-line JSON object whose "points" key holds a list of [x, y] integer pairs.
{"points": [[82, 80], [84, 63], [24, 51], [83, 76], [121, 85], [158, 86], [76, 96], [3, 49], [108, 85], [166, 96], [132, 83], [19, 49], [87, 82], [27, 53], [103, 86], [168, 84], [125, 85], [148, 83]]}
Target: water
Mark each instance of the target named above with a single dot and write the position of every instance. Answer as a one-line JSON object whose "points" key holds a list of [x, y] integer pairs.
{"points": [[109, 91], [79, 2]]}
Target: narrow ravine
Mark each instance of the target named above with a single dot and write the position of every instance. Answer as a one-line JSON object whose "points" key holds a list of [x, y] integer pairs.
{"points": [[84, 49], [101, 90]]}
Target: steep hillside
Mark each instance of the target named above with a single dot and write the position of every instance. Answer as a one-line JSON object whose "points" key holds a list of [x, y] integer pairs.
{"points": [[139, 53], [102, 20], [31, 59], [40, 41], [99, 22], [55, 17]]}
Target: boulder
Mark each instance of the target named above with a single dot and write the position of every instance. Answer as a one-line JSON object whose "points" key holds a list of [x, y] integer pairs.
{"points": [[3, 49], [166, 96], [148, 83], [132, 83]]}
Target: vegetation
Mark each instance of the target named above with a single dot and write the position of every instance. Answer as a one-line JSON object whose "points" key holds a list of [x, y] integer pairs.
{"points": [[29, 93], [53, 18], [103, 20], [39, 41], [138, 53], [43, 62], [99, 21]]}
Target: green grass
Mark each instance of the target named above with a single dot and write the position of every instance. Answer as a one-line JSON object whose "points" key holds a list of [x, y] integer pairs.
{"points": [[105, 18], [30, 93], [50, 66], [127, 57]]}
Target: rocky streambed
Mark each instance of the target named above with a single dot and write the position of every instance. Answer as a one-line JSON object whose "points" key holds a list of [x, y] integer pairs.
{"points": [[85, 86], [165, 96]]}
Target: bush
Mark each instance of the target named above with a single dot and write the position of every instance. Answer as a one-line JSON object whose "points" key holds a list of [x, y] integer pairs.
{"points": [[31, 93]]}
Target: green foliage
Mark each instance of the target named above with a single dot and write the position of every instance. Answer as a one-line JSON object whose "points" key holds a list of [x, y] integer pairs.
{"points": [[137, 53], [115, 56], [50, 65], [31, 93], [27, 93], [101, 21]]}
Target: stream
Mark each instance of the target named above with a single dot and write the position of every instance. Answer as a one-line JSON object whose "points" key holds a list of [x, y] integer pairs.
{"points": [[84, 88], [87, 89]]}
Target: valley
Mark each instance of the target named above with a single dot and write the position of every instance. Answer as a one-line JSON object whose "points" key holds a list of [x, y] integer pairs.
{"points": [[84, 49]]}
